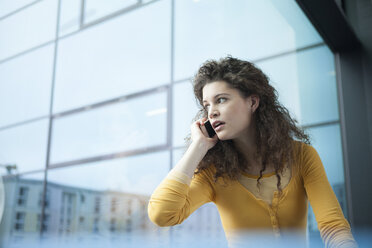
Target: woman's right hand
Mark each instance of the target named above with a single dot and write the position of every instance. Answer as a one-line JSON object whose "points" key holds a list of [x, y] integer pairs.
{"points": [[200, 135]]}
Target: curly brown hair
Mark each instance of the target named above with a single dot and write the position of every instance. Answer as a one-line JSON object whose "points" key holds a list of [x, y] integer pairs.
{"points": [[275, 128]]}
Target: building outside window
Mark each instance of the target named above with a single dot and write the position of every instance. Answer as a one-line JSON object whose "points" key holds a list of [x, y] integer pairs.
{"points": [[99, 100], [97, 205], [19, 221], [22, 196], [113, 225], [96, 225], [113, 205], [45, 222]]}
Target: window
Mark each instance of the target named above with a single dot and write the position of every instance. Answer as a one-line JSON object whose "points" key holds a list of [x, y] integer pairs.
{"points": [[16, 92], [19, 221], [28, 21], [97, 205], [47, 198], [81, 222], [96, 9], [113, 205], [129, 207], [96, 225], [45, 222], [113, 225], [22, 196], [46, 202], [124, 49], [121, 126], [67, 201], [25, 144], [128, 225]]}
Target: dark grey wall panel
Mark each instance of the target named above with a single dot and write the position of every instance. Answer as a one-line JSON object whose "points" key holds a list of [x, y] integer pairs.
{"points": [[356, 144]]}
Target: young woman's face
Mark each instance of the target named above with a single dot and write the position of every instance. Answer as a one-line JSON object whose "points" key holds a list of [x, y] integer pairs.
{"points": [[226, 105]]}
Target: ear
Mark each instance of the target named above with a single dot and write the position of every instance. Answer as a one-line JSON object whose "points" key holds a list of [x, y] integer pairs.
{"points": [[255, 102]]}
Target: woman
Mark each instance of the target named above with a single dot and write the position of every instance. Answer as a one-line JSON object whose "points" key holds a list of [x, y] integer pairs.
{"points": [[253, 169]]}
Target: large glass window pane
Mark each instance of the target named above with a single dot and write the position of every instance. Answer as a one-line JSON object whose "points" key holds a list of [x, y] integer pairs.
{"points": [[9, 6], [24, 146], [20, 224], [106, 200], [248, 29], [184, 110], [95, 9], [126, 54], [284, 77], [69, 19], [306, 84], [177, 155], [29, 28], [26, 95], [204, 223], [136, 123], [327, 141]]}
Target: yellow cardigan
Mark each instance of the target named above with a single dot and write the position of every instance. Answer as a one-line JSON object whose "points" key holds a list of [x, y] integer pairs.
{"points": [[242, 212]]}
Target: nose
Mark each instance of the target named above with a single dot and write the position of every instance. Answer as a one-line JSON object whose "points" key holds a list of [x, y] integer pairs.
{"points": [[213, 113]]}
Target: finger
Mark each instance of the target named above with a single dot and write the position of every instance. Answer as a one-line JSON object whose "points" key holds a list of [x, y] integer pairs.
{"points": [[196, 123], [196, 127]]}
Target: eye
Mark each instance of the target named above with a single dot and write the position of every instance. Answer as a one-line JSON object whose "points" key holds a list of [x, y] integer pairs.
{"points": [[221, 98]]}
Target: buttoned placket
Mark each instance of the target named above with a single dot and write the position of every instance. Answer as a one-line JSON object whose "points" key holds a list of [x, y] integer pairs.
{"points": [[273, 214]]}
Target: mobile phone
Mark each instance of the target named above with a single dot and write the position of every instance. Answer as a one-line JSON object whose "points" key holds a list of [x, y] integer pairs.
{"points": [[209, 128]]}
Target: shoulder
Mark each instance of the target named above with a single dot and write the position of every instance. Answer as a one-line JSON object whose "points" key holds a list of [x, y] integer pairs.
{"points": [[305, 156], [303, 151], [206, 173], [308, 160]]}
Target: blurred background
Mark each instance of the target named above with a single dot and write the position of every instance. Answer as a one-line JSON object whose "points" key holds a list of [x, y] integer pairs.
{"points": [[96, 100]]}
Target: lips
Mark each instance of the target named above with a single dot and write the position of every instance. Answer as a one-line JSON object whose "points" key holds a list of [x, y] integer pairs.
{"points": [[219, 127], [215, 124]]}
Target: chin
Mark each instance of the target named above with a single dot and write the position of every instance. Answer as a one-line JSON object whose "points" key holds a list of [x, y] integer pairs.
{"points": [[224, 137]]}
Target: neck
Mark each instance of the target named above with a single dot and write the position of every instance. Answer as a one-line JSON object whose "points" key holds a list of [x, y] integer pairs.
{"points": [[246, 145]]}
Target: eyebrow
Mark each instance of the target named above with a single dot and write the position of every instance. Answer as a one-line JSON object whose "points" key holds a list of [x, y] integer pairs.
{"points": [[217, 96]]}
